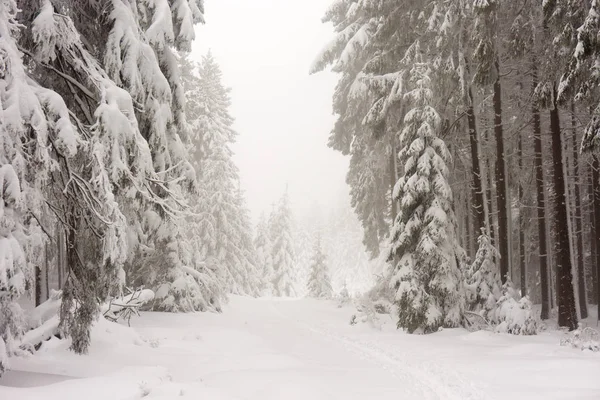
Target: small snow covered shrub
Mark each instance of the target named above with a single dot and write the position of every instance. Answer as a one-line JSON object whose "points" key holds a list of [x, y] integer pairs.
{"points": [[514, 316], [343, 297], [367, 312], [583, 339]]}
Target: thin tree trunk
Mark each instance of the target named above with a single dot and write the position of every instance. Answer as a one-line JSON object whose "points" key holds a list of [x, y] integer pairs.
{"points": [[541, 203], [501, 191], [565, 296], [47, 273], [596, 179], [592, 235], [38, 285], [393, 178], [522, 264], [577, 216], [477, 187]]}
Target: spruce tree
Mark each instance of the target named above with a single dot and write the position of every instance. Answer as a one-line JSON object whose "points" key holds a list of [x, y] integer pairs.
{"points": [[427, 277], [284, 257], [264, 257], [319, 282]]}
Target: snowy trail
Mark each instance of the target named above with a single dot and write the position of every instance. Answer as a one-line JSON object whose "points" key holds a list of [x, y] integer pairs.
{"points": [[433, 381], [268, 349]]}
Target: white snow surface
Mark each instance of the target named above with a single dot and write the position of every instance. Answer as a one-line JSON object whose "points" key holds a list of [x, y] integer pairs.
{"points": [[299, 349]]}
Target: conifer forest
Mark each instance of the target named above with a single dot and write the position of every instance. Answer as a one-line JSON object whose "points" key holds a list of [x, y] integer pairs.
{"points": [[328, 199]]}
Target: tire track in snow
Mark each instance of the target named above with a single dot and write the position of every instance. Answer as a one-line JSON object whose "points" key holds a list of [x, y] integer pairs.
{"points": [[436, 383]]}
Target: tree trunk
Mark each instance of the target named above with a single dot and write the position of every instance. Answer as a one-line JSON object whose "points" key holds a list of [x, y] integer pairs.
{"points": [[592, 235], [393, 178], [501, 192], [596, 178], [541, 203], [565, 296], [522, 267], [477, 187], [38, 285], [578, 232], [46, 273]]}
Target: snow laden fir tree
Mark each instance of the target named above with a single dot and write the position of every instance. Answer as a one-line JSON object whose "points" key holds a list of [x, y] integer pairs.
{"points": [[427, 275], [319, 281], [283, 255], [222, 231]]}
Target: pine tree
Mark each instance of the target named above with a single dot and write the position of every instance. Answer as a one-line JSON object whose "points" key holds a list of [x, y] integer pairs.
{"points": [[222, 228], [284, 257], [13, 265], [427, 277], [319, 282], [264, 256], [483, 287]]}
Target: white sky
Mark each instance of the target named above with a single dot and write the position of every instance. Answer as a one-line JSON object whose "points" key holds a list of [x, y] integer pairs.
{"points": [[283, 115]]}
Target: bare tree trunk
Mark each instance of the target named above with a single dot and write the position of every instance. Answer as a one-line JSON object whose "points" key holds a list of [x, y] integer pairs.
{"points": [[46, 273], [577, 217], [38, 285], [592, 234], [541, 203], [477, 187], [393, 178], [522, 264], [596, 179], [503, 240], [565, 296]]}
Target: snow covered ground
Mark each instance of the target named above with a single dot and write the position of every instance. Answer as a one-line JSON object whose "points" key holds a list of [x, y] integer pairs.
{"points": [[299, 349]]}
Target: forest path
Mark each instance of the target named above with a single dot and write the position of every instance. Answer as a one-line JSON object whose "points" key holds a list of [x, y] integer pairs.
{"points": [[289, 358], [272, 349]]}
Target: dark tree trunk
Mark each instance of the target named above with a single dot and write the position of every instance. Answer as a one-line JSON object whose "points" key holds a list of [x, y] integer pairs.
{"points": [[477, 187], [565, 296], [592, 235], [501, 192], [596, 178], [541, 203], [393, 179], [578, 232], [38, 285], [522, 267]]}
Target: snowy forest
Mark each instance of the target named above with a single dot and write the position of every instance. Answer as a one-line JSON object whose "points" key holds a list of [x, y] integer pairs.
{"points": [[471, 220]]}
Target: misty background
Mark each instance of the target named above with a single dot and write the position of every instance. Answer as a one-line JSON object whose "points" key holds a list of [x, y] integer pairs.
{"points": [[282, 114]]}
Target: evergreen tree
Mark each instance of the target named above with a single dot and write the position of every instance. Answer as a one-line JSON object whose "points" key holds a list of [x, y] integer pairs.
{"points": [[319, 282], [222, 229], [482, 281], [284, 257], [427, 276], [264, 256]]}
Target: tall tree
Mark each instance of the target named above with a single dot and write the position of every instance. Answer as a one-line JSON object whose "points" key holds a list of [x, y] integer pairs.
{"points": [[426, 276], [221, 220], [319, 281], [284, 257], [488, 72]]}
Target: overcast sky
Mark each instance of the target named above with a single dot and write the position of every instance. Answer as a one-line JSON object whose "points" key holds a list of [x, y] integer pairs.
{"points": [[283, 115]]}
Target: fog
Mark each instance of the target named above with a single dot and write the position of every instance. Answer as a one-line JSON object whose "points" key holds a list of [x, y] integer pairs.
{"points": [[283, 115]]}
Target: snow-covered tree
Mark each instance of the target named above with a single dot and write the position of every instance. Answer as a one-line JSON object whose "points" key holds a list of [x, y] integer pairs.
{"points": [[319, 281], [483, 288], [13, 265], [264, 256], [427, 276], [222, 230], [284, 257]]}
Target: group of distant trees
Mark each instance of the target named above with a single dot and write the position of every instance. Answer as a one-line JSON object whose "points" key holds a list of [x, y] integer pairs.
{"points": [[472, 137]]}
